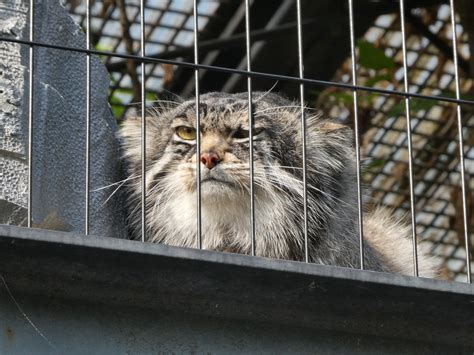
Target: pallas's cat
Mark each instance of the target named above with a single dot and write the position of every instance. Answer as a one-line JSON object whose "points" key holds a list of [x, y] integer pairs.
{"points": [[171, 206]]}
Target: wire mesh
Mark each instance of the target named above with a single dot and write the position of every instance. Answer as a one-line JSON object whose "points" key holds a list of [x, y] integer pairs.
{"points": [[436, 168], [116, 27]]}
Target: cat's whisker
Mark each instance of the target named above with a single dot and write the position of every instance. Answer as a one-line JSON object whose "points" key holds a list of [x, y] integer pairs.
{"points": [[110, 196], [179, 99], [163, 198], [116, 183], [276, 109], [120, 184], [159, 101], [265, 94]]}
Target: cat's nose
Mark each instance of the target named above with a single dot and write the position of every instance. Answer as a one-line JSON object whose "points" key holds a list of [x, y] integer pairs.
{"points": [[210, 159]]}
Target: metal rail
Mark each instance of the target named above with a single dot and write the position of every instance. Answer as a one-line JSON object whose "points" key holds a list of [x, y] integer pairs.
{"points": [[356, 134], [461, 147], [198, 129], [88, 118], [252, 74], [303, 130], [409, 137], [31, 65], [143, 121], [251, 124]]}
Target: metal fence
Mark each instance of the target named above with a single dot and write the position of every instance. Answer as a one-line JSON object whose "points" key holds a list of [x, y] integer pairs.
{"points": [[405, 95]]}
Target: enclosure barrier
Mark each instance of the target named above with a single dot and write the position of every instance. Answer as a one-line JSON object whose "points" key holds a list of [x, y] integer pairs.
{"points": [[267, 277], [301, 80]]}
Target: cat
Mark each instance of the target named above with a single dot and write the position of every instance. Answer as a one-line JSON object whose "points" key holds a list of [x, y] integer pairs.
{"points": [[171, 206]]}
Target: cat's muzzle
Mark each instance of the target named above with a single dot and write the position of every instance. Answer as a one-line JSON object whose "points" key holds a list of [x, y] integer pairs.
{"points": [[215, 179]]}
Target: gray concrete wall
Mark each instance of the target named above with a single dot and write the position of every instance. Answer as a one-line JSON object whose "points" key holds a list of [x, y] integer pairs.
{"points": [[76, 328], [60, 293], [59, 133]]}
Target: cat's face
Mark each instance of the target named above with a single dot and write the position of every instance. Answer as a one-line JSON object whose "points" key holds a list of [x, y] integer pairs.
{"points": [[224, 160], [224, 156]]}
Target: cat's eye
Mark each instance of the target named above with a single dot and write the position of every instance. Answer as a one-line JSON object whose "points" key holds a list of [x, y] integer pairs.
{"points": [[241, 133], [186, 133], [244, 133]]}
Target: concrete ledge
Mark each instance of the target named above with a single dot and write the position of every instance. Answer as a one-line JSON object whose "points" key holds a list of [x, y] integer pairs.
{"points": [[109, 272]]}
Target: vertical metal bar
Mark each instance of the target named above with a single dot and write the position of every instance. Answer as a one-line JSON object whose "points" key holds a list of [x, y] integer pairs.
{"points": [[410, 152], [356, 134], [303, 129], [143, 118], [461, 147], [251, 124], [30, 116], [198, 129], [88, 114]]}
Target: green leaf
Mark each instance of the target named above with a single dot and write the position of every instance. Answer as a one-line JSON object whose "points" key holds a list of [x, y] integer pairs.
{"points": [[418, 104], [123, 91], [415, 106], [341, 97], [151, 96], [367, 98], [447, 93], [104, 48], [374, 164], [397, 109], [371, 57], [117, 106], [377, 78], [452, 95], [118, 110]]}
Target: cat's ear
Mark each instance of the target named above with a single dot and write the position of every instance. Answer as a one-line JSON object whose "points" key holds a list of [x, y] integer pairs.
{"points": [[325, 125], [333, 127], [130, 136], [338, 131]]}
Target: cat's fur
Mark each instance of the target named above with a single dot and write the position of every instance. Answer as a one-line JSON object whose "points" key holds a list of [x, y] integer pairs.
{"points": [[331, 180]]}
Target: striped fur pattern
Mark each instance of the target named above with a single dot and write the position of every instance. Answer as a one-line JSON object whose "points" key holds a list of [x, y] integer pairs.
{"points": [[171, 207]]}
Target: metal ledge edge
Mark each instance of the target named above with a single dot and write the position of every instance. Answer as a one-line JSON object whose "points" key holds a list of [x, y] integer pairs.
{"points": [[122, 272]]}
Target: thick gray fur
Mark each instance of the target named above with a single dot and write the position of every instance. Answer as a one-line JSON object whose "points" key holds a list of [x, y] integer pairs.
{"points": [[331, 181]]}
